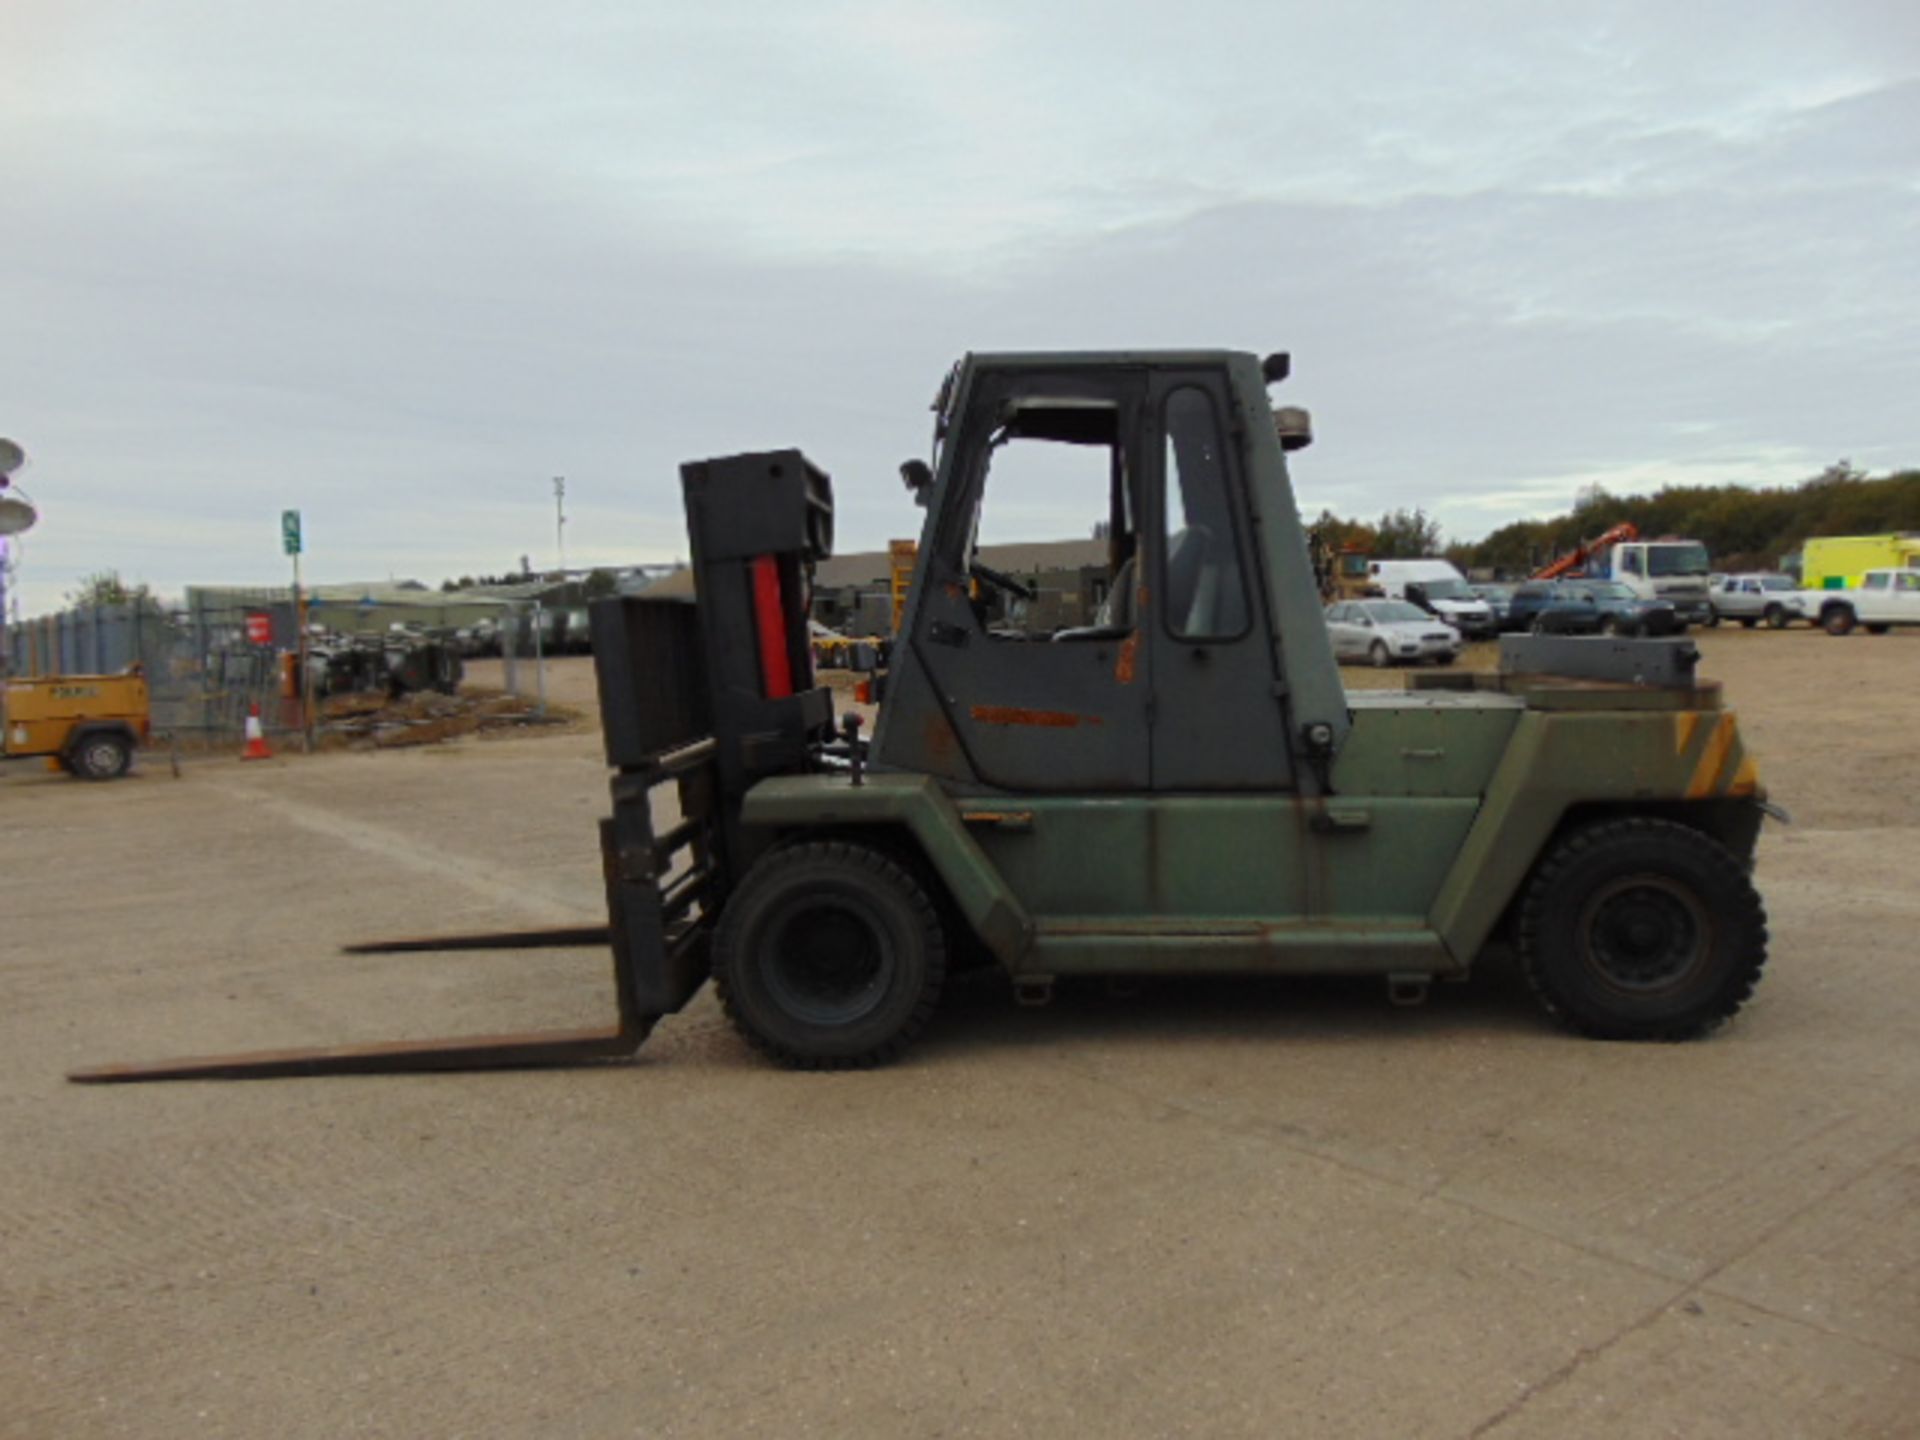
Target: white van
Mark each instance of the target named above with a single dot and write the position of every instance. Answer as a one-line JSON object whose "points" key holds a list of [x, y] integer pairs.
{"points": [[1436, 587]]}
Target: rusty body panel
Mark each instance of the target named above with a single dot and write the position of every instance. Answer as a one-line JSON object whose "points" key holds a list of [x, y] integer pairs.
{"points": [[1049, 719]]}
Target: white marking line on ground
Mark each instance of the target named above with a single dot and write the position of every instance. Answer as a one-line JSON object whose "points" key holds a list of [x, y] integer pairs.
{"points": [[497, 884]]}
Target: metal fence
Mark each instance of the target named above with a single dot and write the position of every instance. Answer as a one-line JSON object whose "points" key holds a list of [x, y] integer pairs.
{"points": [[531, 635], [204, 673]]}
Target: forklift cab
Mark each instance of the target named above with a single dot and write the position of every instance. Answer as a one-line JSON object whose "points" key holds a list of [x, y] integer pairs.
{"points": [[1176, 683]]}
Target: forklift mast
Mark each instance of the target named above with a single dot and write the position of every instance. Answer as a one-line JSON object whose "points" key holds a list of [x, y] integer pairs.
{"points": [[712, 697]]}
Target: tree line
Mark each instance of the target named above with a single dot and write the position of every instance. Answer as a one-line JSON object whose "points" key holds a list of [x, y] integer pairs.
{"points": [[1742, 528]]}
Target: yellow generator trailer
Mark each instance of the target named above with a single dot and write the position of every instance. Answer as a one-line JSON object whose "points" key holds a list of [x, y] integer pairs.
{"points": [[87, 725], [1837, 562]]}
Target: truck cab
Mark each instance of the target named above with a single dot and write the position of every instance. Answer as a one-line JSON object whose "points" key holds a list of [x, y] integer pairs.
{"points": [[1675, 571]]}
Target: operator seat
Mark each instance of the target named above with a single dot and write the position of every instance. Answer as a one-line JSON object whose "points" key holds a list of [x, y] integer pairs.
{"points": [[1114, 619]]}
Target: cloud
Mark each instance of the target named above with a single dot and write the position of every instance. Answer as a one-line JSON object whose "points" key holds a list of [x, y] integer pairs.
{"points": [[399, 266]]}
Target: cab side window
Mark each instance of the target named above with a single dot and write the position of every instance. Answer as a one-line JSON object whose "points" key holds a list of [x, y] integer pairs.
{"points": [[1204, 590], [1054, 470]]}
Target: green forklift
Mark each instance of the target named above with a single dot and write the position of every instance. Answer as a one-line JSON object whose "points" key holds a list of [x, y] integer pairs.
{"points": [[1180, 787]]}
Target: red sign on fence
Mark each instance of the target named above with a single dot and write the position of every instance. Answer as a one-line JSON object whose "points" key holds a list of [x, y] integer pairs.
{"points": [[259, 628]]}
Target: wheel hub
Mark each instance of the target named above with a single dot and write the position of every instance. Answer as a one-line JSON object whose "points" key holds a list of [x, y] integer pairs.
{"points": [[1646, 933], [829, 962]]}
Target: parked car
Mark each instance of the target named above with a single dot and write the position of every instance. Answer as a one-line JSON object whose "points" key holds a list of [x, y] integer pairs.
{"points": [[1498, 599], [1885, 598], [1386, 632], [1528, 599], [1601, 607], [1753, 598]]}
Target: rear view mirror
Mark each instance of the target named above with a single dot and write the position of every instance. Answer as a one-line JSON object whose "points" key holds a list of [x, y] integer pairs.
{"points": [[917, 476]]}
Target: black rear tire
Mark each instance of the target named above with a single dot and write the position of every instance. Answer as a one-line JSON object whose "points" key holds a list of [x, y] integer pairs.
{"points": [[1641, 929], [829, 956], [100, 757], [1838, 620]]}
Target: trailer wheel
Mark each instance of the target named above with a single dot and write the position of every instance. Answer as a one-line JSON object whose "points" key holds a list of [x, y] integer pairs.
{"points": [[102, 756], [1641, 929], [829, 956]]}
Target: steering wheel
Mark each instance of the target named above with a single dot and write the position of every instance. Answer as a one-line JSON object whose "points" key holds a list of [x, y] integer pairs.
{"points": [[1002, 581]]}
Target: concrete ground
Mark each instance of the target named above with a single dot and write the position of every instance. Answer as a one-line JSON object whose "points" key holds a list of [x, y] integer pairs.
{"points": [[1261, 1209]]}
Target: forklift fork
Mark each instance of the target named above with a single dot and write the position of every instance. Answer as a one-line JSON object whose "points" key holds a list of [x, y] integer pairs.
{"points": [[657, 932], [467, 1052]]}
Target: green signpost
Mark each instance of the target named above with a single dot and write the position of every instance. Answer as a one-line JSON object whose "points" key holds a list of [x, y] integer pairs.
{"points": [[290, 545]]}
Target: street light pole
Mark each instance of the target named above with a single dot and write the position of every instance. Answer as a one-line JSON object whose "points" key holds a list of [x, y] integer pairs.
{"points": [[560, 520]]}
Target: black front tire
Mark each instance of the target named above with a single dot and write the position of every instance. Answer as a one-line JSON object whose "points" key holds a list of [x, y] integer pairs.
{"points": [[829, 956], [1641, 929], [101, 757], [1776, 617], [1377, 655]]}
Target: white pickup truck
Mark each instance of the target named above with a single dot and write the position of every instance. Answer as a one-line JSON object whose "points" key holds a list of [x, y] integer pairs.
{"points": [[1883, 599]]}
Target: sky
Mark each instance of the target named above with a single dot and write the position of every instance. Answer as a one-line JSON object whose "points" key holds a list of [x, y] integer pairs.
{"points": [[398, 265]]}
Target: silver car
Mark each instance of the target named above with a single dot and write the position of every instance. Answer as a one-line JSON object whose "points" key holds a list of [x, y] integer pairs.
{"points": [[1750, 599], [1386, 632]]}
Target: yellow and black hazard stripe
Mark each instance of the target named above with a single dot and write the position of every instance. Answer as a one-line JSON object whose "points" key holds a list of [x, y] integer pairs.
{"points": [[1710, 742]]}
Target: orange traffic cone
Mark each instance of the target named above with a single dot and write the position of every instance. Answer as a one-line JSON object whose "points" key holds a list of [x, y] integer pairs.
{"points": [[256, 737]]}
